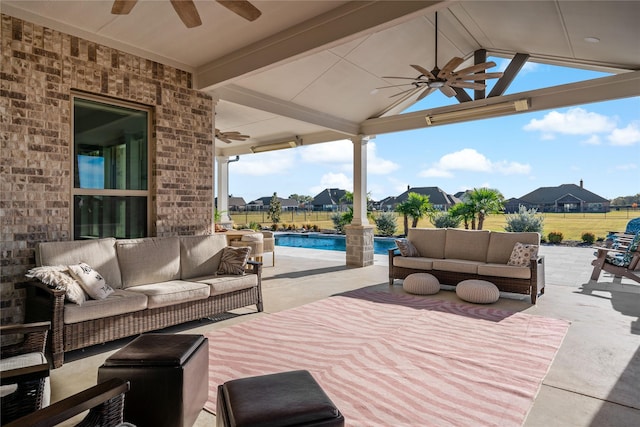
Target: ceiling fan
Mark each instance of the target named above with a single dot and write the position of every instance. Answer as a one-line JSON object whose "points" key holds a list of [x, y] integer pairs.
{"points": [[188, 13], [229, 137], [446, 78]]}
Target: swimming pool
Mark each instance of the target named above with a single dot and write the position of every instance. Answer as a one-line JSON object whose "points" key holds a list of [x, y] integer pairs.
{"points": [[330, 242]]}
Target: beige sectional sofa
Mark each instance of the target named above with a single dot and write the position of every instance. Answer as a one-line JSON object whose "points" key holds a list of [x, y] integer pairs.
{"points": [[157, 282], [453, 255]]}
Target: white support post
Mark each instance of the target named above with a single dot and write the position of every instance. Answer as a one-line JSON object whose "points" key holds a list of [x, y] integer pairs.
{"points": [[223, 190], [360, 180]]}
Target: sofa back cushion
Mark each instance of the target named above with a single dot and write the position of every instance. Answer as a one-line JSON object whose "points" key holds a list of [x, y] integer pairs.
{"points": [[148, 260], [428, 241], [100, 254], [200, 255], [470, 245], [501, 244]]}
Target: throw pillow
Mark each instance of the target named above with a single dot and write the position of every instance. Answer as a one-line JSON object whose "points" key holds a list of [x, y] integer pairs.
{"points": [[234, 260], [522, 253], [91, 281], [406, 248], [57, 277]]}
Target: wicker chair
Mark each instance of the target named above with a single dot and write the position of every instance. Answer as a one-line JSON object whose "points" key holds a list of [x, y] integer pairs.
{"points": [[255, 241], [24, 369], [269, 245], [105, 403]]}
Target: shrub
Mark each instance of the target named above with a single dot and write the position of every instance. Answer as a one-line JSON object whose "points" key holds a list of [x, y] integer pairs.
{"points": [[555, 237], [386, 224], [524, 220], [445, 220], [588, 237], [339, 222]]}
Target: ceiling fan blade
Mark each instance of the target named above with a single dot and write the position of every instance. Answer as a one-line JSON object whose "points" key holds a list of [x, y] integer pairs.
{"points": [[226, 140], [449, 67], [122, 7], [448, 91], [242, 8], [403, 78], [187, 12], [428, 91], [387, 87], [424, 71], [468, 85], [479, 76], [475, 68]]}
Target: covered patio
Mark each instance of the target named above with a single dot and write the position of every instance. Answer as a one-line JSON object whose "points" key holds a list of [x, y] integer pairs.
{"points": [[592, 381]]}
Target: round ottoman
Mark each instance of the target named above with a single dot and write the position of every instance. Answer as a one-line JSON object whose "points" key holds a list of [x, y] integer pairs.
{"points": [[477, 291], [421, 284]]}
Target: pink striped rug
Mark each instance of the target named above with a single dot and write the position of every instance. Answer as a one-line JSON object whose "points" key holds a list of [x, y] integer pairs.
{"points": [[399, 360]]}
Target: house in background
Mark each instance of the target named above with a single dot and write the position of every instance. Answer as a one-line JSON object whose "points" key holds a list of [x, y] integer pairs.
{"points": [[236, 204], [440, 199], [263, 203], [330, 199], [565, 198]]}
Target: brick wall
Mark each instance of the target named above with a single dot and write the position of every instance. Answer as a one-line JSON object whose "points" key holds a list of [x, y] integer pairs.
{"points": [[39, 69]]}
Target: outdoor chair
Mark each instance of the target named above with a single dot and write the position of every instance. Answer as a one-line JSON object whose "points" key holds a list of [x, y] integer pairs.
{"points": [[269, 245], [619, 262], [615, 239], [105, 403], [24, 370], [255, 241]]}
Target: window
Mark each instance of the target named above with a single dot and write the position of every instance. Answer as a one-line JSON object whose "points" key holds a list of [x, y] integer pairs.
{"points": [[110, 168]]}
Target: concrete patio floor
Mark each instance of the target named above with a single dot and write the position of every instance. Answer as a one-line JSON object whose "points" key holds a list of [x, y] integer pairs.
{"points": [[593, 381]]}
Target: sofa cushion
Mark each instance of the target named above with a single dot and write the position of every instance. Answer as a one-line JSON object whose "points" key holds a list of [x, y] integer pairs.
{"points": [[456, 265], [522, 254], [99, 253], [58, 277], [91, 281], [466, 244], [200, 255], [119, 302], [419, 263], [23, 361], [501, 244], [148, 260], [234, 260], [225, 284], [428, 241], [502, 270], [406, 248], [171, 292]]}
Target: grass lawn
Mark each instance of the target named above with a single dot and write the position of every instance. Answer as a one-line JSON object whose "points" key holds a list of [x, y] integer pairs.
{"points": [[571, 225]]}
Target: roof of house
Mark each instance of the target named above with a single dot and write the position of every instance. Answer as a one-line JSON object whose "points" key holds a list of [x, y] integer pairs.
{"points": [[266, 201], [437, 196], [564, 192], [236, 201], [329, 196]]}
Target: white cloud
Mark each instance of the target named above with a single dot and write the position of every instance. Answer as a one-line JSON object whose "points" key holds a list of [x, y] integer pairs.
{"points": [[576, 121], [329, 152], [626, 136], [340, 155], [333, 180], [626, 167], [280, 162], [593, 140], [469, 159]]}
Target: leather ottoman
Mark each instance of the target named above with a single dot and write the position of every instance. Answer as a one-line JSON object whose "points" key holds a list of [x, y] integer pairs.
{"points": [[168, 376], [284, 399]]}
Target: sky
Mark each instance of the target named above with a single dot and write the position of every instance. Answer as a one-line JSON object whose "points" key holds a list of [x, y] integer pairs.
{"points": [[597, 143]]}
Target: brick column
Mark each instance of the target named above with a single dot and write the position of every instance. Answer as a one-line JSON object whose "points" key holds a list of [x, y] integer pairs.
{"points": [[359, 245]]}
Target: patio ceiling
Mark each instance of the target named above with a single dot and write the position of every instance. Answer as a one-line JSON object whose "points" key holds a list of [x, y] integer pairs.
{"points": [[308, 69]]}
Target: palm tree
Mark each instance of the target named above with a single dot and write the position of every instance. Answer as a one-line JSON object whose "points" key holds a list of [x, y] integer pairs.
{"points": [[416, 206], [482, 202], [464, 212]]}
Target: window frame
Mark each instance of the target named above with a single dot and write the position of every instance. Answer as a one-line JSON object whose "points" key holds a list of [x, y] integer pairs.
{"points": [[110, 192]]}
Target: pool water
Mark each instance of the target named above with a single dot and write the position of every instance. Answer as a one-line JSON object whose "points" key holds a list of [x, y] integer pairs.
{"points": [[381, 245]]}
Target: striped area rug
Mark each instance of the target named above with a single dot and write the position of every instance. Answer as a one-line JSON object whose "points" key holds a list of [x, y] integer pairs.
{"points": [[399, 360]]}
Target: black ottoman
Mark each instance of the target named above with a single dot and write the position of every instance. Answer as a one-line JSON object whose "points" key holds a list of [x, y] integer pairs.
{"points": [[277, 400], [168, 376]]}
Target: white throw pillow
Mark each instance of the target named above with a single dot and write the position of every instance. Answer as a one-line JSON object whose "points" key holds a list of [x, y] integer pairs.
{"points": [[91, 281], [58, 277], [522, 254]]}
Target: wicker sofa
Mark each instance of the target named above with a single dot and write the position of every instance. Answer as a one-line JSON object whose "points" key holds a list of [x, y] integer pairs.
{"points": [[453, 255], [157, 282]]}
